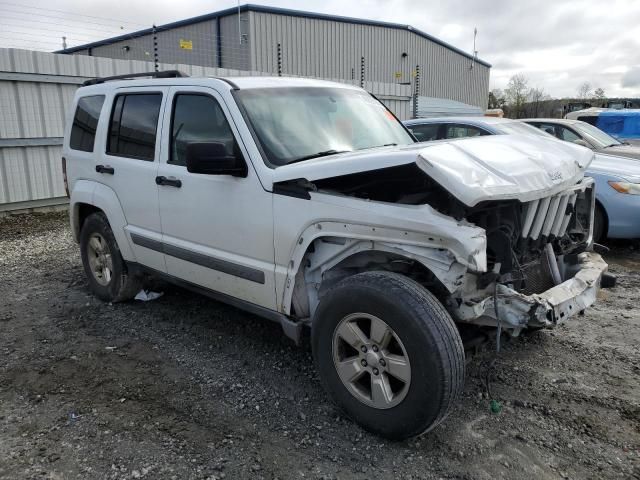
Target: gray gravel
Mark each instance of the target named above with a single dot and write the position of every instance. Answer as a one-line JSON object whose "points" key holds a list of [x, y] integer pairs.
{"points": [[184, 387]]}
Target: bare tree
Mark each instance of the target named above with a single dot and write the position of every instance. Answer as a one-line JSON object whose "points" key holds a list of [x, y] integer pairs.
{"points": [[535, 96], [599, 94], [516, 94], [584, 90], [496, 98]]}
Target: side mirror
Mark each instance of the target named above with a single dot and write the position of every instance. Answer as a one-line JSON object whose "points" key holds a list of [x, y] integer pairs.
{"points": [[212, 158], [581, 142]]}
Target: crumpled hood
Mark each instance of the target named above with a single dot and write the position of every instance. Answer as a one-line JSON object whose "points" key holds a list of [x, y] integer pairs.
{"points": [[472, 169], [505, 167]]}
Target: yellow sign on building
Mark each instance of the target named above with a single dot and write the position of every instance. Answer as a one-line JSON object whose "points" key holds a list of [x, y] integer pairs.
{"points": [[186, 44]]}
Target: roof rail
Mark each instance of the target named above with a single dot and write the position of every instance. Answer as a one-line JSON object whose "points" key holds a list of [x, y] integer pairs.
{"points": [[162, 74]]}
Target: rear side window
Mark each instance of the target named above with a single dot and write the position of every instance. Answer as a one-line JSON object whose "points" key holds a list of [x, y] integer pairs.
{"points": [[85, 123], [463, 131], [134, 122], [198, 118], [425, 133]]}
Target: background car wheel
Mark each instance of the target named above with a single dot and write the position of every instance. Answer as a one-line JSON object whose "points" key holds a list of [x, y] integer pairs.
{"points": [[599, 224], [103, 264], [388, 353]]}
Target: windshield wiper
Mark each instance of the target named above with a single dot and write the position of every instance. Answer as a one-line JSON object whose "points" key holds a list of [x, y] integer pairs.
{"points": [[317, 155]]}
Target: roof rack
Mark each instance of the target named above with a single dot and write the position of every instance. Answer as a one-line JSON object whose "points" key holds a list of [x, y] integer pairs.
{"points": [[162, 74]]}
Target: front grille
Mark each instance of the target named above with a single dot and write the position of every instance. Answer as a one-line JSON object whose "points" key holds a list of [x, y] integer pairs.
{"points": [[549, 217]]}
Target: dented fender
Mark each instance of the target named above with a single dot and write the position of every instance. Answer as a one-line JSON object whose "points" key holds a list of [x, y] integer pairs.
{"points": [[345, 240]]}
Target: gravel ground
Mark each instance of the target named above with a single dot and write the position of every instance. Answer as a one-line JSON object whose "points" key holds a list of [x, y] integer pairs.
{"points": [[184, 387]]}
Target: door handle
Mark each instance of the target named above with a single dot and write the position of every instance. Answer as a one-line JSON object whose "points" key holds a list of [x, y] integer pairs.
{"points": [[105, 169], [169, 181]]}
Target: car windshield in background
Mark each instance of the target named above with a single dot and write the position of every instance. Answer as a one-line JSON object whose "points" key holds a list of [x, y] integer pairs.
{"points": [[519, 128], [599, 137], [298, 123]]}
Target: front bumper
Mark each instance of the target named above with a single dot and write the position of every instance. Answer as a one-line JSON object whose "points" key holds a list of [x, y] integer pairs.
{"points": [[517, 311]]}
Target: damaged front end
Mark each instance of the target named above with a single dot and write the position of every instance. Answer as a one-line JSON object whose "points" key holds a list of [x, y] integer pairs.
{"points": [[540, 270], [498, 228]]}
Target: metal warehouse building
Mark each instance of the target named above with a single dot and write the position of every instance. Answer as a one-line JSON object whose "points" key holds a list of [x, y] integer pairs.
{"points": [[292, 42]]}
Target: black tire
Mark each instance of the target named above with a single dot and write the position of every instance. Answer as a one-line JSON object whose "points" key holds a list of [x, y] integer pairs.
{"points": [[122, 285], [429, 336], [599, 224]]}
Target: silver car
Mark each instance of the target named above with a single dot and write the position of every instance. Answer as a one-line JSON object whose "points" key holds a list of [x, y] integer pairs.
{"points": [[586, 135]]}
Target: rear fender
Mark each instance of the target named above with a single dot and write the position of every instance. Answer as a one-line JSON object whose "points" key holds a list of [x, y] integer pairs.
{"points": [[104, 198]]}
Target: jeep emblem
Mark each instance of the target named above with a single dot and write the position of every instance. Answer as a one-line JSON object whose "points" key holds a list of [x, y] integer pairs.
{"points": [[555, 176]]}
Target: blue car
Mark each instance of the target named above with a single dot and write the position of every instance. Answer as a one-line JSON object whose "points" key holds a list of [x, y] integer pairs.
{"points": [[623, 125], [617, 213]]}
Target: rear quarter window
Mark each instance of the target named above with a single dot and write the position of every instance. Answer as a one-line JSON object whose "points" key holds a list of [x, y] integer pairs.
{"points": [[85, 123]]}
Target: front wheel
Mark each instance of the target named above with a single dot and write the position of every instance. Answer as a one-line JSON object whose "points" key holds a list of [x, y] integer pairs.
{"points": [[388, 353]]}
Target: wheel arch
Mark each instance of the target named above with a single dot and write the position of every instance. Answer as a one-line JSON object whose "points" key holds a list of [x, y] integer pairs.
{"points": [[330, 256], [90, 197]]}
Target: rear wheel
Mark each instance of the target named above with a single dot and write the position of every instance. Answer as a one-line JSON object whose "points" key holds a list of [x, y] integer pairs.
{"points": [[388, 353], [103, 264]]}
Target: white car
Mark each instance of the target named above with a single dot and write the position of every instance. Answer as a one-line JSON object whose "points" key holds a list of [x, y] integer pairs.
{"points": [[308, 203]]}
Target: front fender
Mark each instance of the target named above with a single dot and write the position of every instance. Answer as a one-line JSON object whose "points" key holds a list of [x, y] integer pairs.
{"points": [[434, 254]]}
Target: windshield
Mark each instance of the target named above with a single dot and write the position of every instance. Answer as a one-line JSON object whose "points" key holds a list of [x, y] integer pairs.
{"points": [[298, 123], [600, 138], [520, 128]]}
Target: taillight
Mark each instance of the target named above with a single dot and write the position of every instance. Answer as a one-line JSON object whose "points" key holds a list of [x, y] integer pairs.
{"points": [[64, 175]]}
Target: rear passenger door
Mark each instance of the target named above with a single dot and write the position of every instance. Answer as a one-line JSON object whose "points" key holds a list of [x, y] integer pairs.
{"points": [[128, 164]]}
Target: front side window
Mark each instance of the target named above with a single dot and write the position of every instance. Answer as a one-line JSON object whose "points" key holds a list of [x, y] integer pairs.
{"points": [[546, 127], [567, 135], [293, 124], [198, 118], [85, 123], [426, 132], [134, 122]]}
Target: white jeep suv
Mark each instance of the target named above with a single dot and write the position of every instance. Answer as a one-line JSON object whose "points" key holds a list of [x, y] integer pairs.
{"points": [[308, 203]]}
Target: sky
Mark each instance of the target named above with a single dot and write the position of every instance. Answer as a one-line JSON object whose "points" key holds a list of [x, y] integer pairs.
{"points": [[556, 44]]}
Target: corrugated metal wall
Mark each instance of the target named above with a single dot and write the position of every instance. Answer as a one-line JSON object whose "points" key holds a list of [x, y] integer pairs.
{"points": [[201, 35], [332, 49], [316, 47], [36, 89]]}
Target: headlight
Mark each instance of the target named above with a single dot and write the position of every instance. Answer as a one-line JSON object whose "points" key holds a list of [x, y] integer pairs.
{"points": [[626, 187]]}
